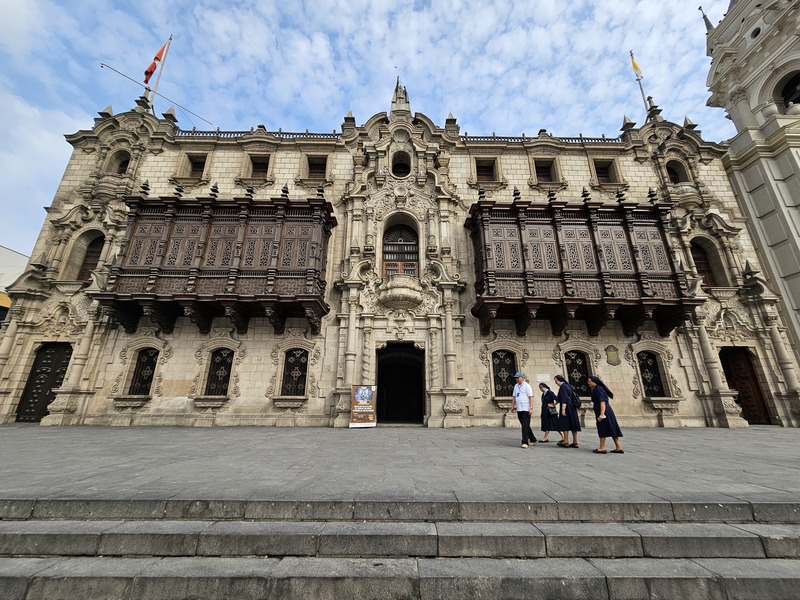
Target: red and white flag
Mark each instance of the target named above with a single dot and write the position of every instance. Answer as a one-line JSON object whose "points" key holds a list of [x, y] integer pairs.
{"points": [[152, 68]]}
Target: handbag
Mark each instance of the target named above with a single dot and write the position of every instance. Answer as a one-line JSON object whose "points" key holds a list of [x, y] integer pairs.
{"points": [[553, 411], [576, 400]]}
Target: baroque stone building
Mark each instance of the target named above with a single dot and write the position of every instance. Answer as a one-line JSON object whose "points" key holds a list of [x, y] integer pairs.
{"points": [[755, 77], [236, 278]]}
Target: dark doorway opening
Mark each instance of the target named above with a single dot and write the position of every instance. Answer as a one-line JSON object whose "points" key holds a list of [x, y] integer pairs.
{"points": [[742, 377], [401, 384], [47, 374]]}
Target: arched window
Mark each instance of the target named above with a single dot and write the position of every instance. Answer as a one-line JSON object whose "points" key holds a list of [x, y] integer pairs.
{"points": [[295, 368], [219, 372], [91, 258], [791, 91], [504, 365], [400, 251], [577, 367], [143, 372], [703, 265], [119, 163], [401, 164], [677, 172], [649, 369]]}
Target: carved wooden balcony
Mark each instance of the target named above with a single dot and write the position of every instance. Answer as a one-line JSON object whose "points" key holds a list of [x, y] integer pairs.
{"points": [[591, 261], [209, 257]]}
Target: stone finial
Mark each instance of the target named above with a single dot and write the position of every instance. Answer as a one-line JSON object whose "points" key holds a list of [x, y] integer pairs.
{"points": [[620, 195], [749, 272], [214, 190], [551, 195], [481, 193], [687, 124], [400, 100], [652, 196], [107, 112], [249, 191], [144, 189], [627, 124], [709, 26], [320, 191], [179, 190], [586, 195], [170, 115], [285, 190], [517, 195]]}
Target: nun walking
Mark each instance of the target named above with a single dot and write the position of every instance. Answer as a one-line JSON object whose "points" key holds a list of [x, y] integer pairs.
{"points": [[569, 413], [551, 421], [607, 425]]}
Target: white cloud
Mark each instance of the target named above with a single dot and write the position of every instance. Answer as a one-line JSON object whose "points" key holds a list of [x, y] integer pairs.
{"points": [[508, 66]]}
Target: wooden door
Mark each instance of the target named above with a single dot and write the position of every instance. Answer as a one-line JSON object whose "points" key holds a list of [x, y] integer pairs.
{"points": [[47, 374], [741, 375]]}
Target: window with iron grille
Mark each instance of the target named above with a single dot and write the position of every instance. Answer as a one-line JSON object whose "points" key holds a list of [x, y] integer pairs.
{"points": [[577, 364], [504, 365], [651, 374], [544, 170], [260, 166], [91, 258], [219, 372], [295, 368], [317, 166], [197, 164], [143, 372], [400, 251], [604, 169], [485, 169]]}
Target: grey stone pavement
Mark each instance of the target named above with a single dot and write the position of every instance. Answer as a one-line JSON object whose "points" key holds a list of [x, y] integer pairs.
{"points": [[266, 463]]}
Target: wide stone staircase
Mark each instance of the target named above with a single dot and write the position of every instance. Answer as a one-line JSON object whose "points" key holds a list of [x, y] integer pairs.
{"points": [[595, 549]]}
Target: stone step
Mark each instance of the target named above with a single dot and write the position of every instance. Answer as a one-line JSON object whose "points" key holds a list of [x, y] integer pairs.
{"points": [[334, 578], [443, 507], [186, 538]]}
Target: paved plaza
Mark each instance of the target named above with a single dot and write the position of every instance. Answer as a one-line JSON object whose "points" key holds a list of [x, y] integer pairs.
{"points": [[251, 463]]}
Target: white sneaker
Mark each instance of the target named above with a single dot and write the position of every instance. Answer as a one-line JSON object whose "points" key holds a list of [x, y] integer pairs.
{"points": [[524, 445]]}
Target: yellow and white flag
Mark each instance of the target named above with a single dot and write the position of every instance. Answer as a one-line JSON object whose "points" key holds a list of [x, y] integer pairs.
{"points": [[636, 68]]}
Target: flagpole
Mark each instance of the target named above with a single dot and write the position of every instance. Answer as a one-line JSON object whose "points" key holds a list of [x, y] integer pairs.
{"points": [[158, 78], [638, 79]]}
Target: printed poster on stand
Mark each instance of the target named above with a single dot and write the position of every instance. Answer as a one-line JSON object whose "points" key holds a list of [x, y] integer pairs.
{"points": [[362, 406]]}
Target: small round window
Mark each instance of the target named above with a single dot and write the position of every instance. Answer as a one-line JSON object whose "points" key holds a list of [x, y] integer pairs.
{"points": [[401, 164], [755, 33]]}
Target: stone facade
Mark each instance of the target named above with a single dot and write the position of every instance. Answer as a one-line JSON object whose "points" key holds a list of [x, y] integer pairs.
{"points": [[755, 77], [437, 264]]}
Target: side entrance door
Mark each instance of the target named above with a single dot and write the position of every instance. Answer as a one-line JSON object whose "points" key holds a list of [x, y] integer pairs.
{"points": [[742, 377], [48, 372]]}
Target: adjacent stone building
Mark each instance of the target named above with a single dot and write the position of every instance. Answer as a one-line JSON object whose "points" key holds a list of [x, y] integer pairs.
{"points": [[755, 77], [250, 278]]}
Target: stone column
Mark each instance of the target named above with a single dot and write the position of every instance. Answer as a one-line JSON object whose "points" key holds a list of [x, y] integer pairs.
{"points": [[63, 408], [725, 411], [58, 256], [787, 370], [6, 344], [350, 303], [733, 268]]}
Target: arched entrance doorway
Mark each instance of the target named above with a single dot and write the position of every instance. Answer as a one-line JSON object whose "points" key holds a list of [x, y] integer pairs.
{"points": [[47, 373], [401, 384], [742, 377]]}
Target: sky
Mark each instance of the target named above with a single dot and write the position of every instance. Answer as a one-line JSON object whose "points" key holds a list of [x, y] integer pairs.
{"points": [[499, 66]]}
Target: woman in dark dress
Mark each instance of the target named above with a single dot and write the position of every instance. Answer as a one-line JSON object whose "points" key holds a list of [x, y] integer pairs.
{"points": [[607, 425], [569, 414], [549, 422]]}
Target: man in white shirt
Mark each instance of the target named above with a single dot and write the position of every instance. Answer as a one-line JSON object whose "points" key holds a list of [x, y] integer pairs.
{"points": [[523, 404]]}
